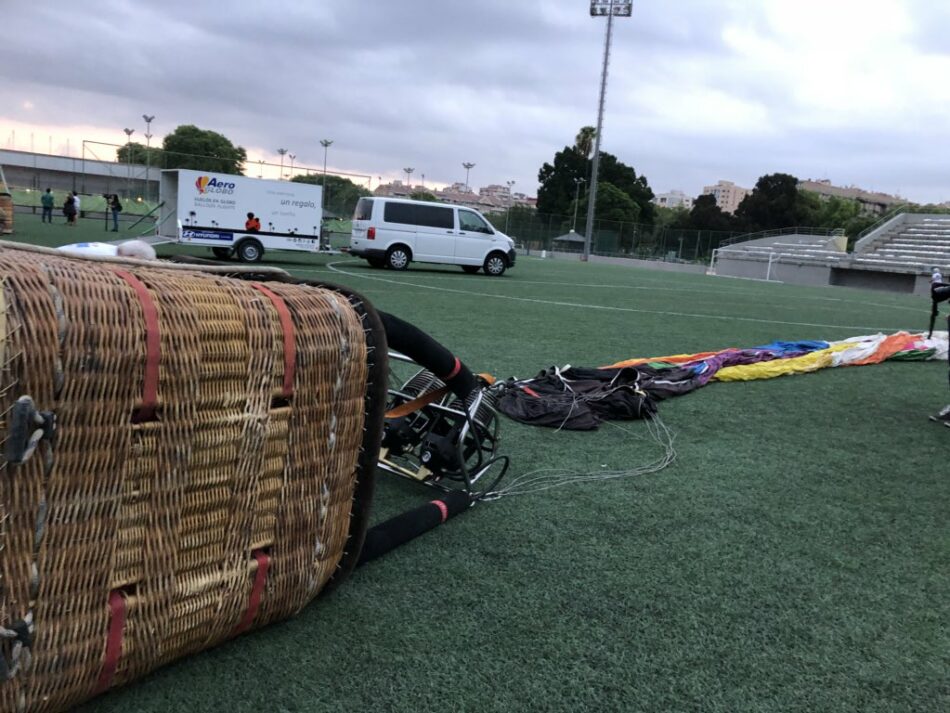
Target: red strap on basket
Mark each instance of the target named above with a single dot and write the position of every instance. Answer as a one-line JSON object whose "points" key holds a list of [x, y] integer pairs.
{"points": [[290, 343], [153, 347], [114, 640], [254, 603]]}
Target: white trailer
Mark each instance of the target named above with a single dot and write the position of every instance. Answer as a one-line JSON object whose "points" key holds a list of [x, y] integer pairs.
{"points": [[210, 209]]}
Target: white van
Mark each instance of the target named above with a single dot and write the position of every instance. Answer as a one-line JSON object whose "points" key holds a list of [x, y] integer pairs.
{"points": [[392, 232]]}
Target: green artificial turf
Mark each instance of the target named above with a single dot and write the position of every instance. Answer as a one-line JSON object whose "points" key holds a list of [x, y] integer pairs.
{"points": [[793, 558]]}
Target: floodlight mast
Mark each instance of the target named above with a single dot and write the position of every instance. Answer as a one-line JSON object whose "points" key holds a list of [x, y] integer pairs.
{"points": [[598, 8]]}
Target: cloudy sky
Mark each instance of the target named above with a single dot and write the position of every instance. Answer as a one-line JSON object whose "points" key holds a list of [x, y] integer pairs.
{"points": [[857, 91]]}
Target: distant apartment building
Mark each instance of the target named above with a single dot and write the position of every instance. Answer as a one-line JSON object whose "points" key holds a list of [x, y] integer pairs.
{"points": [[491, 198], [495, 191], [870, 201], [727, 194], [673, 199]]}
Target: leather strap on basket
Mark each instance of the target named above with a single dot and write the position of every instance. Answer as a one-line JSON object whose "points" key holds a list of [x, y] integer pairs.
{"points": [[254, 602], [290, 342], [110, 661], [153, 347]]}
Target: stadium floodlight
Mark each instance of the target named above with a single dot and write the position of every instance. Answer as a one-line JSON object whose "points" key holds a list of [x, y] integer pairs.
{"points": [[148, 151], [280, 176], [468, 166], [617, 8], [408, 172], [577, 192], [508, 212], [599, 8], [325, 143], [128, 161]]}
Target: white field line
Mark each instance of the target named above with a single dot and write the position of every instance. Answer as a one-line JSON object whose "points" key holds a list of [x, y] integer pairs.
{"points": [[711, 290], [609, 308]]}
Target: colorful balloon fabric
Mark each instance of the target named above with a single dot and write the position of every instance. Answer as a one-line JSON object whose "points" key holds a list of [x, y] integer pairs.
{"points": [[580, 398], [782, 358]]}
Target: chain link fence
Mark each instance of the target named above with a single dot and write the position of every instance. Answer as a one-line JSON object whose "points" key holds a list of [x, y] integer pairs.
{"points": [[534, 232]]}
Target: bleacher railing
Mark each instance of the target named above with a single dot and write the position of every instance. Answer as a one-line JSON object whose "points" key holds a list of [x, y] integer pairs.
{"points": [[776, 232]]}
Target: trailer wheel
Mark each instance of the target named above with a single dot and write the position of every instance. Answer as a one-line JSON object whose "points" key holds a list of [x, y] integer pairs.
{"points": [[222, 253], [250, 251]]}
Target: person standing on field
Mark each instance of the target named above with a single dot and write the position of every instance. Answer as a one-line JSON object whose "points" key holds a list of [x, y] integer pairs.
{"points": [[47, 200]]}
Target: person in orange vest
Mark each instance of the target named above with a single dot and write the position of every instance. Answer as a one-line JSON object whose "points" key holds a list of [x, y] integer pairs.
{"points": [[252, 224]]}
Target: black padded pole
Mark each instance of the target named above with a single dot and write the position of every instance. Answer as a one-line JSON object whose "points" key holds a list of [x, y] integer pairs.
{"points": [[388, 535], [427, 352]]}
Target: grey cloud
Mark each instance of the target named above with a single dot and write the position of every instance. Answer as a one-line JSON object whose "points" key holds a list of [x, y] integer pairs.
{"points": [[431, 84]]}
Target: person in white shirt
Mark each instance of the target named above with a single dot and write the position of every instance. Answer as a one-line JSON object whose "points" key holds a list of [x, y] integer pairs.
{"points": [[77, 201], [131, 248], [936, 276]]}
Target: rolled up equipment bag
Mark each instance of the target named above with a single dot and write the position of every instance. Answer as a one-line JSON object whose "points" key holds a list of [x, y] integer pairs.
{"points": [[185, 456]]}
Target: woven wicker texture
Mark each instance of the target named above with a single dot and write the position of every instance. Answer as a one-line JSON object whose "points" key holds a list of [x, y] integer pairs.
{"points": [[201, 478]]}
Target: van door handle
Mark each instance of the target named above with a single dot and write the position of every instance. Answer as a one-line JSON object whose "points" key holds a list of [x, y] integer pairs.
{"points": [[462, 233], [449, 231]]}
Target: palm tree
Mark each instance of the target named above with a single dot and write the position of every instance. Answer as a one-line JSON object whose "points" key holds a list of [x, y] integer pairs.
{"points": [[584, 141]]}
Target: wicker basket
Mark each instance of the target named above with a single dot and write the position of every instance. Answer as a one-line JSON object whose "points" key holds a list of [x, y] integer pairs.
{"points": [[6, 210], [203, 460]]}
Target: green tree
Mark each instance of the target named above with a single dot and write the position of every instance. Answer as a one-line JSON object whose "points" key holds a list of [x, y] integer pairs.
{"points": [[341, 193], [617, 216], [707, 215], [202, 150], [556, 193], [613, 204], [665, 217], [622, 176], [423, 196], [584, 141], [775, 202], [557, 179], [138, 153]]}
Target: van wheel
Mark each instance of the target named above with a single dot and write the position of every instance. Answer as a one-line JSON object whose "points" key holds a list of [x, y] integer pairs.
{"points": [[398, 257], [471, 269], [495, 264], [376, 262], [250, 251], [222, 253]]}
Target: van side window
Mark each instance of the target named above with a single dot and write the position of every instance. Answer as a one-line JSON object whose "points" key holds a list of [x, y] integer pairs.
{"points": [[472, 221], [410, 214], [364, 209]]}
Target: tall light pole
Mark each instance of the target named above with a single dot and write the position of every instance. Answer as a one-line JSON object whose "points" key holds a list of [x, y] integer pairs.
{"points": [[260, 168], [148, 153], [280, 177], [508, 212], [408, 172], [577, 190], [598, 8], [292, 157], [128, 161], [468, 166], [325, 143]]}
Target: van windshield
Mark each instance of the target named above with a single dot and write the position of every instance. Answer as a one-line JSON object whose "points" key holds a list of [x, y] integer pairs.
{"points": [[364, 209], [472, 221]]}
